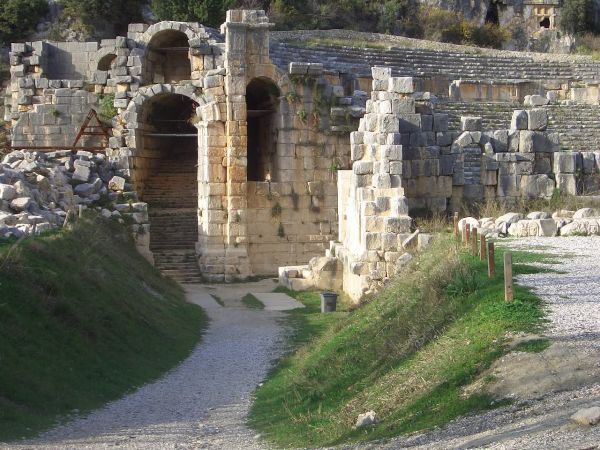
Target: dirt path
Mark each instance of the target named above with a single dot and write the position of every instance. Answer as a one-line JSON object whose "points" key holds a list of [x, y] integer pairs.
{"points": [[546, 387], [202, 403]]}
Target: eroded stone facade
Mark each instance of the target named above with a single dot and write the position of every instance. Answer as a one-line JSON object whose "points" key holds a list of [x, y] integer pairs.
{"points": [[286, 160]]}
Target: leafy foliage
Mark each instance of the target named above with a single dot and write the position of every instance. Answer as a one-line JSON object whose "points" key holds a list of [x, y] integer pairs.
{"points": [[107, 108], [577, 16], [19, 17], [207, 12], [98, 17]]}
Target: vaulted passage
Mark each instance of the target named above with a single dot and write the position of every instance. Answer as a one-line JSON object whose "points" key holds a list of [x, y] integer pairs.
{"points": [[168, 57], [167, 178], [262, 97]]}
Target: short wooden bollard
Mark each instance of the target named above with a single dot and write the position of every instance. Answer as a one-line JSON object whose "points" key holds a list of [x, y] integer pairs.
{"points": [[467, 237], [508, 277], [80, 211], [491, 261], [474, 241], [482, 248], [456, 235]]}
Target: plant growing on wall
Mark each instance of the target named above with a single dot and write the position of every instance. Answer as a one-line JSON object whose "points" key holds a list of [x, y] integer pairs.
{"points": [[280, 230], [295, 200], [276, 210], [107, 108], [302, 115]]}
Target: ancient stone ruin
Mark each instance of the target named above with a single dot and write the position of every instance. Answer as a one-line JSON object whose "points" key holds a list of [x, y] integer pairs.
{"points": [[255, 152]]}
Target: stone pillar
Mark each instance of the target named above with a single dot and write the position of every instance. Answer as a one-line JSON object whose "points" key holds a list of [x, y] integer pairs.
{"points": [[241, 27]]}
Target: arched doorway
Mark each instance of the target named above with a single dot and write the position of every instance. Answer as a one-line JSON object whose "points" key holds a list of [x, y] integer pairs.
{"points": [[107, 62], [492, 16], [262, 100], [166, 177], [167, 60]]}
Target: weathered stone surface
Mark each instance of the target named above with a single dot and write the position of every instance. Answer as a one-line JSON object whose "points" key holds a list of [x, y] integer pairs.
{"points": [[537, 186], [116, 183], [519, 120], [366, 419], [7, 192], [20, 204], [584, 213], [587, 416], [538, 215], [508, 218], [565, 162], [587, 227], [535, 100], [537, 119], [566, 183], [468, 123], [537, 227], [401, 85]]}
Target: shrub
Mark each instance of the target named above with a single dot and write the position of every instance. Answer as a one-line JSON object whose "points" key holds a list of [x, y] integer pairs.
{"points": [[490, 35], [446, 26], [577, 16], [588, 44], [207, 12], [19, 17], [96, 18], [400, 17], [107, 108]]}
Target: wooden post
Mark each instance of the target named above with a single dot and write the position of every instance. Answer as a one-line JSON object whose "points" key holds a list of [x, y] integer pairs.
{"points": [[474, 241], [508, 277], [467, 234], [482, 248], [80, 211], [491, 262], [456, 236], [67, 218]]}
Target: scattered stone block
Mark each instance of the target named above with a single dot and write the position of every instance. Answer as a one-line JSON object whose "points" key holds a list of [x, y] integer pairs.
{"points": [[366, 419], [519, 120], [586, 416], [537, 119], [468, 123]]}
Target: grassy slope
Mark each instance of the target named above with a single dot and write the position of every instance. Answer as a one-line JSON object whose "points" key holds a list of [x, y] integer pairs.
{"points": [[406, 354], [83, 319]]}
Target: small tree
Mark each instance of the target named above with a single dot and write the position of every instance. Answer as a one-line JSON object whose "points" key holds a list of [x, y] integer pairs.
{"points": [[400, 16], [577, 16], [207, 12], [103, 17], [20, 17]]}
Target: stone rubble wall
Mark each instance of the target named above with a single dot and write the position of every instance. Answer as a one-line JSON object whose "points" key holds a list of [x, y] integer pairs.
{"points": [[38, 190]]}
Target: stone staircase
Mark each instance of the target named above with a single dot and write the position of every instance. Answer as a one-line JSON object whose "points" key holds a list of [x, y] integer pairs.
{"points": [[420, 62], [494, 115], [578, 125], [171, 192]]}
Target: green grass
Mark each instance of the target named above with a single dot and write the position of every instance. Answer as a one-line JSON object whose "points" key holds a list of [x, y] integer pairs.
{"points": [[407, 353], [252, 302], [532, 346], [84, 319]]}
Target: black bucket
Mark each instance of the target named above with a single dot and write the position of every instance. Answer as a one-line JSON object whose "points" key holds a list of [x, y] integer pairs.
{"points": [[328, 301]]}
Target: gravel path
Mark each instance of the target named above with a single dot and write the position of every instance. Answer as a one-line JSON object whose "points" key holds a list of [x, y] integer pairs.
{"points": [[573, 301], [202, 403]]}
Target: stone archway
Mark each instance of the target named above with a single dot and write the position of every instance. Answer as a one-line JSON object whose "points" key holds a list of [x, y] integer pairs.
{"points": [[167, 178]]}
